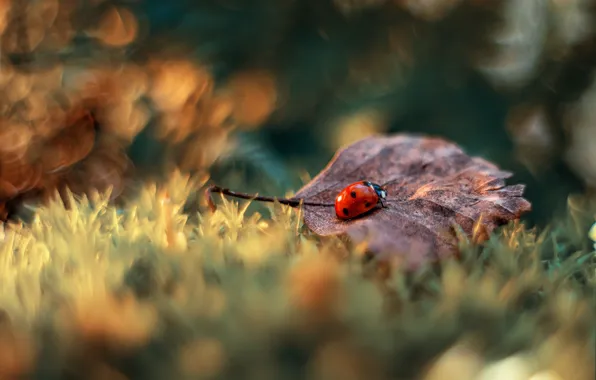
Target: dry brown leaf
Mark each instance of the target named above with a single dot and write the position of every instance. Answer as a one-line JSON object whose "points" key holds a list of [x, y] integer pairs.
{"points": [[432, 185], [19, 87], [35, 107], [5, 6], [17, 175], [131, 82], [105, 167], [174, 82], [118, 27], [69, 146], [7, 189], [58, 36], [6, 74], [47, 80], [126, 119], [218, 112], [36, 31], [46, 11], [15, 139], [255, 96]]}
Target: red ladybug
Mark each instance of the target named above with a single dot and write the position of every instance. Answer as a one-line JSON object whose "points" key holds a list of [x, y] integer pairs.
{"points": [[358, 198]]}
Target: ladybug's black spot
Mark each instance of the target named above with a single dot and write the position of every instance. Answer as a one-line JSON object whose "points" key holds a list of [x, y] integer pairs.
{"points": [[367, 204], [353, 194], [346, 212]]}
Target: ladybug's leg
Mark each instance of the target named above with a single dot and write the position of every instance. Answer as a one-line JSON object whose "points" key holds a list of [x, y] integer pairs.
{"points": [[383, 202]]}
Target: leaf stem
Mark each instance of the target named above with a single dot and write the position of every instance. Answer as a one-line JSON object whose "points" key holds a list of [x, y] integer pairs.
{"points": [[292, 202]]}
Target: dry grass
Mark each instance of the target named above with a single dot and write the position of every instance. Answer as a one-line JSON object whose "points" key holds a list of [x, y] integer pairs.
{"points": [[103, 292]]}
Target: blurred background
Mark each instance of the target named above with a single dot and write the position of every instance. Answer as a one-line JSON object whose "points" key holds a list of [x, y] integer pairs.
{"points": [[261, 93]]}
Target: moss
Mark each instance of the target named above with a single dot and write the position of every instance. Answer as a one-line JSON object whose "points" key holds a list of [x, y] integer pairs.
{"points": [[147, 292]]}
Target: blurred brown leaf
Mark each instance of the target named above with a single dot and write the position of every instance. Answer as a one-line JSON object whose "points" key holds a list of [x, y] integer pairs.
{"points": [[46, 80], [175, 82], [105, 167], [17, 176], [15, 138], [255, 96], [70, 145], [218, 111], [46, 11], [117, 27], [432, 185], [5, 6], [19, 87]]}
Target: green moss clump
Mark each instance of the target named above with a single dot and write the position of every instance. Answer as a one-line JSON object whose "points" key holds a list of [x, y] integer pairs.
{"points": [[151, 293]]}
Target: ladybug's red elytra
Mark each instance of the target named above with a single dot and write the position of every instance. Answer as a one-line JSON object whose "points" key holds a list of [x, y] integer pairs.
{"points": [[359, 198]]}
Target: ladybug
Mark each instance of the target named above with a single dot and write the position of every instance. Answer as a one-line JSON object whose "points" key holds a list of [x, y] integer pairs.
{"points": [[359, 198]]}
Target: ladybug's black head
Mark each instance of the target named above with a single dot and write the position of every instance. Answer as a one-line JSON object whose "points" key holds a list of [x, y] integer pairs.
{"points": [[381, 192]]}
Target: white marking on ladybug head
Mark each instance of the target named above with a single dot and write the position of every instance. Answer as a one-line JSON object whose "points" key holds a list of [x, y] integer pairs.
{"points": [[383, 194]]}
